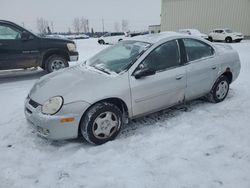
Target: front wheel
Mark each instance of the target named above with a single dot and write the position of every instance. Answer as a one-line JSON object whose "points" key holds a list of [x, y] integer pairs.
{"points": [[210, 39], [220, 90], [228, 40], [101, 42], [101, 123], [55, 63]]}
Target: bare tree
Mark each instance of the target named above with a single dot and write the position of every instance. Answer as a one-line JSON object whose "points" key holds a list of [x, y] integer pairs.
{"points": [[42, 25], [77, 25], [117, 26], [84, 24], [125, 25], [69, 31], [52, 26], [81, 25]]}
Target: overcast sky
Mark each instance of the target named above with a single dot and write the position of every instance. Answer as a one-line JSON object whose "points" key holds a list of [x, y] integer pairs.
{"points": [[139, 13]]}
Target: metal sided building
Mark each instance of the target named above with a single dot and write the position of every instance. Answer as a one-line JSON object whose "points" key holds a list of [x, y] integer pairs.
{"points": [[206, 15]]}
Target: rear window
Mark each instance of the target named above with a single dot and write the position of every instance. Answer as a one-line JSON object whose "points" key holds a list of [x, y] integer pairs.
{"points": [[197, 49]]}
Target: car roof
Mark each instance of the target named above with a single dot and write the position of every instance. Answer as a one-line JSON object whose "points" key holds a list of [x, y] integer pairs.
{"points": [[154, 38]]}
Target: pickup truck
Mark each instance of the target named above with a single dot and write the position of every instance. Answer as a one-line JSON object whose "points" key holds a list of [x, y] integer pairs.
{"points": [[22, 49]]}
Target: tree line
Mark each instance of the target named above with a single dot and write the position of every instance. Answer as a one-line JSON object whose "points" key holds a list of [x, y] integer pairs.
{"points": [[79, 25]]}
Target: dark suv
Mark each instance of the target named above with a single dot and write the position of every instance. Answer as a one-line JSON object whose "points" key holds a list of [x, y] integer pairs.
{"points": [[21, 49]]}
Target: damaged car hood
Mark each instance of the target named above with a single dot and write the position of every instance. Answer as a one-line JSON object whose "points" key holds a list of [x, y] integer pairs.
{"points": [[73, 84]]}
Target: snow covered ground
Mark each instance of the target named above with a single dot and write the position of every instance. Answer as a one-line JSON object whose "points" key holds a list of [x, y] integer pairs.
{"points": [[206, 145]]}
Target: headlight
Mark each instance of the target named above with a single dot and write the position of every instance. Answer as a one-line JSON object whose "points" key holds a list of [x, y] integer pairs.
{"points": [[71, 47], [52, 106]]}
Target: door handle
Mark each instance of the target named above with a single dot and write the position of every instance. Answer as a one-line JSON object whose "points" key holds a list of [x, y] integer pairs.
{"points": [[179, 77], [214, 68]]}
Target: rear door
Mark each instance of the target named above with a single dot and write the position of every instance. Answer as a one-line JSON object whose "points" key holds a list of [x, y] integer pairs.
{"points": [[201, 67], [17, 53], [166, 87]]}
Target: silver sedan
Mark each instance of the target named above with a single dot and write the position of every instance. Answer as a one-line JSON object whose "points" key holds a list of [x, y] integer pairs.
{"points": [[129, 79]]}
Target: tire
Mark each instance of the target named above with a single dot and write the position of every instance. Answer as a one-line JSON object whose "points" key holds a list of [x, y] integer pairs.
{"points": [[55, 63], [228, 40], [220, 90], [210, 39], [101, 42], [101, 123]]}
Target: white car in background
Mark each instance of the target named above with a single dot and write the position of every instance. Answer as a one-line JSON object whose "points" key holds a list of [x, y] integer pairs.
{"points": [[226, 35], [194, 32], [111, 38]]}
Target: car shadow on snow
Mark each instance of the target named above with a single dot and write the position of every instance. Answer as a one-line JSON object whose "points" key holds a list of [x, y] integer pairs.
{"points": [[137, 125], [21, 75], [162, 117]]}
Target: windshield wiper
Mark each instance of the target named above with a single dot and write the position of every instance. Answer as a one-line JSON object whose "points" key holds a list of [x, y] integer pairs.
{"points": [[102, 69]]}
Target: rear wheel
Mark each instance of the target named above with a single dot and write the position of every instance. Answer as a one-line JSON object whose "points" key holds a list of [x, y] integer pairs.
{"points": [[228, 40], [55, 63], [101, 123], [220, 90]]}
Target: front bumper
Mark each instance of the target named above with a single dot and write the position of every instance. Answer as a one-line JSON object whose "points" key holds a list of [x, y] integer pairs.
{"points": [[73, 56], [51, 127]]}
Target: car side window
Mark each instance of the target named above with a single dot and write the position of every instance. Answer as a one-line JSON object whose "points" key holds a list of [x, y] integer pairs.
{"points": [[163, 57], [197, 49], [8, 33]]}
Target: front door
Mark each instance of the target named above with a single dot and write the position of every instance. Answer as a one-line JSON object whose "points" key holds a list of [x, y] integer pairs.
{"points": [[166, 87], [16, 53]]}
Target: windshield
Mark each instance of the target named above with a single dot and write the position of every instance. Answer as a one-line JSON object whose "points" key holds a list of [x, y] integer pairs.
{"points": [[228, 31], [118, 57]]}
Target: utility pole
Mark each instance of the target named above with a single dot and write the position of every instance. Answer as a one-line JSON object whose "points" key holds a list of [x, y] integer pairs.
{"points": [[103, 26]]}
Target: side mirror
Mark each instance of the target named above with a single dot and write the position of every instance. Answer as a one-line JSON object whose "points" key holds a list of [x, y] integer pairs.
{"points": [[25, 35], [144, 72]]}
